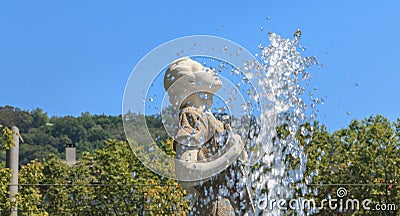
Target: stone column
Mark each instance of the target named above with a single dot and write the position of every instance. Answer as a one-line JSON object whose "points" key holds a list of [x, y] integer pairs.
{"points": [[12, 163]]}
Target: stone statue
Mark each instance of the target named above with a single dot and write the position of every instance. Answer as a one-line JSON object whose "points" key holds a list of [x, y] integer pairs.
{"points": [[205, 143]]}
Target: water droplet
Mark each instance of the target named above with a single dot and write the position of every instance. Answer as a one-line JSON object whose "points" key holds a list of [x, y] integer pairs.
{"points": [[297, 33], [204, 96]]}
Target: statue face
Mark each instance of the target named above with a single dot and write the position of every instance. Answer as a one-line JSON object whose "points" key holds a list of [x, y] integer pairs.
{"points": [[186, 77], [207, 80]]}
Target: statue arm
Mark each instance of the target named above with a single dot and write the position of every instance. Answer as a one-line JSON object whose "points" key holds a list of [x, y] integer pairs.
{"points": [[188, 167]]}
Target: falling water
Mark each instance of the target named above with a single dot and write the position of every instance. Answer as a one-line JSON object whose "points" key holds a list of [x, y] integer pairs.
{"points": [[284, 78]]}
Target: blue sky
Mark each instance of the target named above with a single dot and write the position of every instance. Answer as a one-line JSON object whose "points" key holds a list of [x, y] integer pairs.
{"points": [[68, 57]]}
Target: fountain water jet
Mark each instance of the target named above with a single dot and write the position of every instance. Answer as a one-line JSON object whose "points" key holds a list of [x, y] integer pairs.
{"points": [[283, 73]]}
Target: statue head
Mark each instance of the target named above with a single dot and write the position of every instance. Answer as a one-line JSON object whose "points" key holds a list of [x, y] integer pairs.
{"points": [[190, 83]]}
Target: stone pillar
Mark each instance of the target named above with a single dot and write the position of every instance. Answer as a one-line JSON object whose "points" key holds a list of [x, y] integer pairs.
{"points": [[70, 154], [12, 162]]}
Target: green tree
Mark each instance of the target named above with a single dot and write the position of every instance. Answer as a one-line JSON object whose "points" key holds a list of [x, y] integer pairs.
{"points": [[54, 186], [12, 116], [29, 194], [69, 126], [107, 181], [365, 155], [6, 142], [123, 185], [39, 118], [5, 176]]}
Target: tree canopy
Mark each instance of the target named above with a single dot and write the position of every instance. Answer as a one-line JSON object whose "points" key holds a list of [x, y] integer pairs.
{"points": [[108, 178], [44, 135]]}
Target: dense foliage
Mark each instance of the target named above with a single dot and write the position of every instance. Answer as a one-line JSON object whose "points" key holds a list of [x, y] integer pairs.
{"points": [[109, 179], [44, 135], [363, 158]]}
